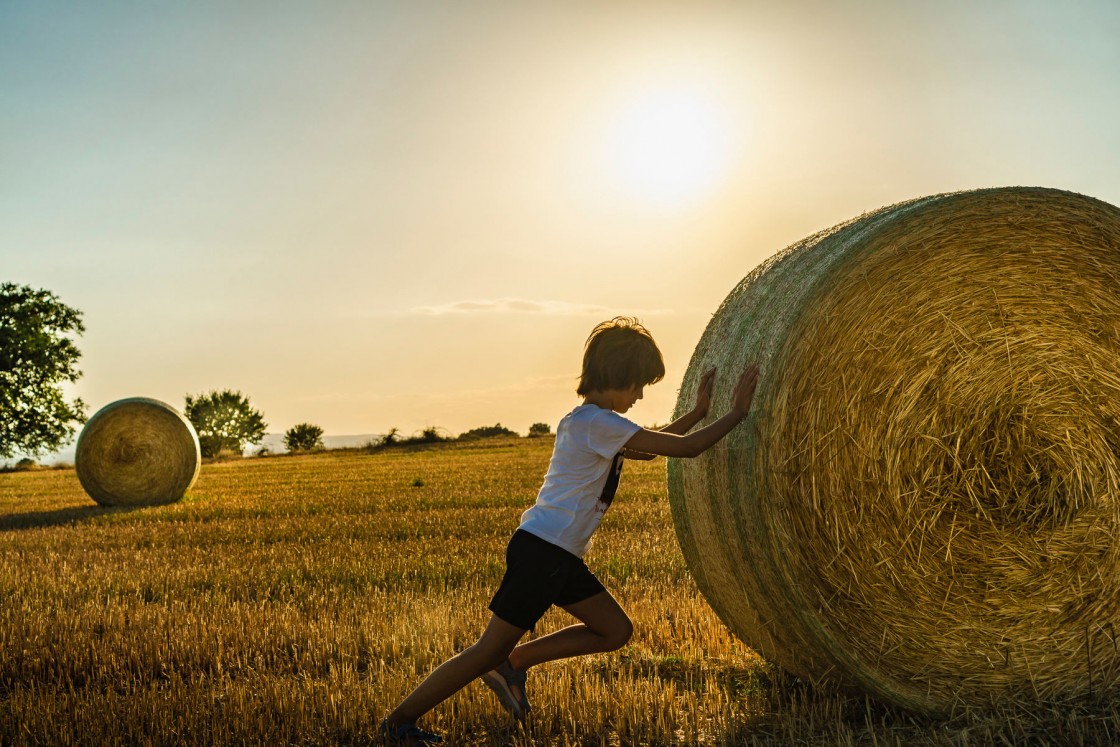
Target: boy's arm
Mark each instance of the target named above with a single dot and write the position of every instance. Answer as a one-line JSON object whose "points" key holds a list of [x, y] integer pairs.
{"points": [[667, 443], [684, 423]]}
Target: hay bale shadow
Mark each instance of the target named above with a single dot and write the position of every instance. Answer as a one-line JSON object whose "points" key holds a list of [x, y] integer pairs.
{"points": [[58, 517], [797, 713]]}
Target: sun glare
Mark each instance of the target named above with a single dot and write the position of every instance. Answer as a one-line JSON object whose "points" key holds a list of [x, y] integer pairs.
{"points": [[669, 146]]}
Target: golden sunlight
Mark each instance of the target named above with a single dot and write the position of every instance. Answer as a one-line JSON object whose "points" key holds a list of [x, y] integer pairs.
{"points": [[669, 145]]}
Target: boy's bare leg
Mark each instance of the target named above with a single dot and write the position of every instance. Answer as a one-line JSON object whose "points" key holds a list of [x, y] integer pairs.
{"points": [[490, 650], [603, 626]]}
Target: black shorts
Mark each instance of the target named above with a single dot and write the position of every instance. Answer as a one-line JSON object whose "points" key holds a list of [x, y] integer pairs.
{"points": [[540, 574]]}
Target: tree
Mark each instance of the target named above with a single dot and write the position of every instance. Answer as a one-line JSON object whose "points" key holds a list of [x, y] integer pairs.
{"points": [[36, 358], [539, 429], [304, 437], [224, 421]]}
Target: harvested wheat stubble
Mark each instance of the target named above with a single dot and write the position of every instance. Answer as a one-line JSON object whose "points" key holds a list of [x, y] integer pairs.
{"points": [[925, 498], [137, 452]]}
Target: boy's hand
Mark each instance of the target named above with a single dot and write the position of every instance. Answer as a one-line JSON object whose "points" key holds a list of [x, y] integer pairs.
{"points": [[743, 393], [704, 393]]}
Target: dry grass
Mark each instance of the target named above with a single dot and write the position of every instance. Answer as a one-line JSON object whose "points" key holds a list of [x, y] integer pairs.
{"points": [[294, 600]]}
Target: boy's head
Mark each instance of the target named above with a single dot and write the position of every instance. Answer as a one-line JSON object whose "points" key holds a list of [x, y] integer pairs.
{"points": [[619, 354]]}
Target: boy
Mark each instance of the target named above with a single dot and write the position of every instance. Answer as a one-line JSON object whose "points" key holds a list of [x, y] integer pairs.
{"points": [[544, 563]]}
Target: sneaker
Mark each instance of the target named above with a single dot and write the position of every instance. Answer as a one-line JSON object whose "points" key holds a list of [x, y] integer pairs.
{"points": [[407, 734], [509, 685]]}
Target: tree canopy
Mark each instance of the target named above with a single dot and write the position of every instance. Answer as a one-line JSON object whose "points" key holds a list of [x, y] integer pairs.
{"points": [[37, 357], [224, 421], [304, 437]]}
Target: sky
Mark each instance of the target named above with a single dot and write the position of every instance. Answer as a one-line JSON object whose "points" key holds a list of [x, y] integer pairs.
{"points": [[367, 215]]}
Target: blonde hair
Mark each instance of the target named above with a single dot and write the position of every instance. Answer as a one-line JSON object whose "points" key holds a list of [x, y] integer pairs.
{"points": [[619, 354]]}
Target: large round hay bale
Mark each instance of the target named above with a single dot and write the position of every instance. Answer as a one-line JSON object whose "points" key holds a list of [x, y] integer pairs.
{"points": [[137, 452], [925, 498]]}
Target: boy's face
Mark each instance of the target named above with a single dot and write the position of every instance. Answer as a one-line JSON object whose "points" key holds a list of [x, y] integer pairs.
{"points": [[626, 398]]}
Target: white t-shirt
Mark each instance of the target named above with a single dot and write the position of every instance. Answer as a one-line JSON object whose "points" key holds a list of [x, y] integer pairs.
{"points": [[582, 477]]}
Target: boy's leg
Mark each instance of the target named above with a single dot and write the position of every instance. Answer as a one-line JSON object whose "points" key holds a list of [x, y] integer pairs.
{"points": [[490, 650], [603, 626]]}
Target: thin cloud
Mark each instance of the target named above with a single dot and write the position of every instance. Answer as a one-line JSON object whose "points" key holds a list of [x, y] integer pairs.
{"points": [[525, 306], [531, 384]]}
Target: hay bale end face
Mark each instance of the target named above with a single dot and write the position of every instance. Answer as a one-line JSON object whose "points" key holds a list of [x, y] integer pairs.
{"points": [[137, 452], [925, 498]]}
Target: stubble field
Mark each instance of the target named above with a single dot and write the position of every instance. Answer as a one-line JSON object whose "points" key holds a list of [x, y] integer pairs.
{"points": [[295, 600]]}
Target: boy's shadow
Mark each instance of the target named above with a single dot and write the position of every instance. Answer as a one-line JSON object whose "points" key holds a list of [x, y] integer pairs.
{"points": [[58, 517]]}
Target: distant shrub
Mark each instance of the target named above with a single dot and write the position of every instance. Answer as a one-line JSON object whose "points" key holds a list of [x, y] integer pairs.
{"points": [[430, 435], [539, 429], [487, 431], [391, 438], [303, 437], [27, 464]]}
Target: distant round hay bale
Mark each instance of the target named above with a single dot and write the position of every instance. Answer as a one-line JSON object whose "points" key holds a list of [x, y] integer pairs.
{"points": [[137, 452], [925, 498]]}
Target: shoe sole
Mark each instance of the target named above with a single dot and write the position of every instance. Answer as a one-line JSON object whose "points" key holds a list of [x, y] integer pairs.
{"points": [[421, 737], [498, 684]]}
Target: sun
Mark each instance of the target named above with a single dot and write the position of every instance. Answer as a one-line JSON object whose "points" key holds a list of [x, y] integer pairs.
{"points": [[669, 145]]}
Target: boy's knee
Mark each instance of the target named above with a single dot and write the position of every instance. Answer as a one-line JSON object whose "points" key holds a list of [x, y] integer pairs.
{"points": [[620, 634], [488, 654]]}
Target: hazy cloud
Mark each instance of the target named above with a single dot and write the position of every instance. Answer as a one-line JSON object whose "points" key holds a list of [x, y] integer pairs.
{"points": [[497, 393], [526, 306]]}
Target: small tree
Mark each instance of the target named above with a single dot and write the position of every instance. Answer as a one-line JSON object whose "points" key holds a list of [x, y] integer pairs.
{"points": [[224, 421], [36, 357], [304, 437], [539, 429]]}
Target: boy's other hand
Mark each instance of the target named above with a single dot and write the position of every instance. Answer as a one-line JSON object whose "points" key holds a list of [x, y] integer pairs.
{"points": [[743, 393], [704, 392]]}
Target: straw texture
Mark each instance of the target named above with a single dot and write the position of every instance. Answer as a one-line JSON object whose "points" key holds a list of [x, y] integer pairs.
{"points": [[925, 499], [137, 452]]}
